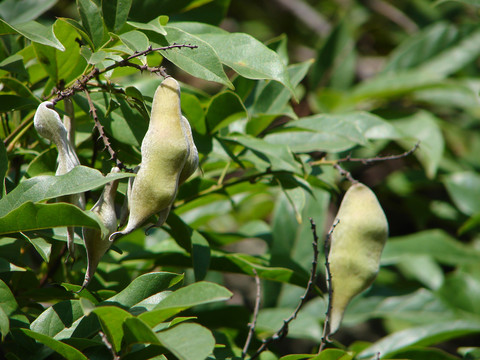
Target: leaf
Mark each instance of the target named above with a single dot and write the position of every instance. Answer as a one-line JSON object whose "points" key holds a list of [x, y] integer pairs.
{"points": [[112, 319], [135, 40], [43, 248], [7, 300], [461, 291], [333, 133], [423, 127], [4, 323], [422, 336], [425, 45], [144, 286], [184, 298], [33, 31], [188, 341], [78, 180], [137, 332], [435, 243], [20, 11], [201, 62], [115, 13], [277, 156], [303, 327], [464, 188], [92, 21], [243, 53], [3, 167], [30, 216], [200, 255], [57, 317], [153, 25], [224, 108], [67, 351], [14, 102]]}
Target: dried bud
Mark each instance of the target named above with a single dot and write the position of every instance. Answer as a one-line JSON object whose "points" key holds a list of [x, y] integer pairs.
{"points": [[166, 151], [356, 246], [96, 243]]}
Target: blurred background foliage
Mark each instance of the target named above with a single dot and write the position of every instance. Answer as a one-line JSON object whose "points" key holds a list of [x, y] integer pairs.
{"points": [[356, 79]]}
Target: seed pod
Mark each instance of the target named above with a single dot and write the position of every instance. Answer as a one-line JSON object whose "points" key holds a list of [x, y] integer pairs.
{"points": [[165, 152], [48, 124], [96, 243], [356, 246], [192, 161]]}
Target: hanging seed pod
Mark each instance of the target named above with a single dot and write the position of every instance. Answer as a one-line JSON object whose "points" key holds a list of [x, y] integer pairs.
{"points": [[166, 151], [96, 243], [48, 125], [356, 245]]}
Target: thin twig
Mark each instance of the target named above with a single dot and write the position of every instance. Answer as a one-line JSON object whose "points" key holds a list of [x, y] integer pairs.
{"points": [[326, 324], [108, 345], [80, 84], [393, 14], [367, 161], [283, 331], [252, 325], [101, 131], [345, 173]]}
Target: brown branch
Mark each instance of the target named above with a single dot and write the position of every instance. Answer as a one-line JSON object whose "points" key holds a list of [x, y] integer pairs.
{"points": [[367, 161], [80, 84], [101, 131], [251, 326], [108, 345], [345, 173], [283, 331], [326, 324]]}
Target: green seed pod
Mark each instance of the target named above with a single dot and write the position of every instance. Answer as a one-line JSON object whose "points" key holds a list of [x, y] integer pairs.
{"points": [[48, 124], [96, 243], [165, 151], [192, 161], [356, 246]]}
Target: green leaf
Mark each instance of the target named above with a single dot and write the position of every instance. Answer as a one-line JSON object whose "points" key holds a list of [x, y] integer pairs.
{"points": [[7, 299], [20, 11], [333, 133], [435, 243], [153, 25], [277, 156], [201, 62], [200, 255], [33, 31], [30, 216], [14, 102], [112, 319], [56, 318], [92, 21], [115, 13], [463, 188], [144, 286], [195, 294], [422, 47], [303, 327], [423, 127], [138, 332], [135, 40], [422, 336], [461, 291], [188, 341], [243, 53], [67, 351], [43, 248], [224, 108], [78, 180], [4, 323], [3, 167]]}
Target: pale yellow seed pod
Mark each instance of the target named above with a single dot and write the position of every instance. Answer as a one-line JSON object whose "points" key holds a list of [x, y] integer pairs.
{"points": [[48, 125], [96, 243], [165, 151], [357, 242], [192, 161]]}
